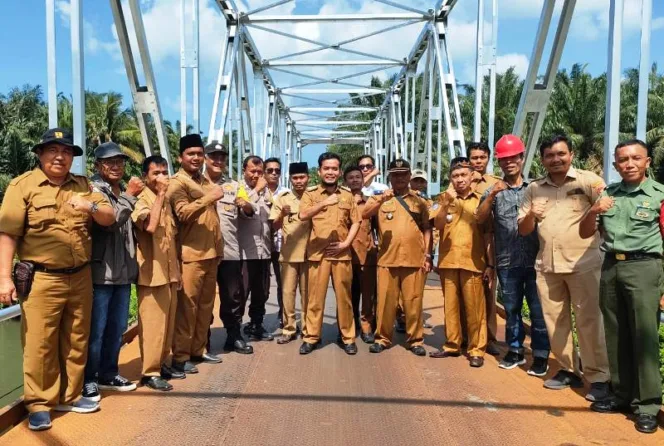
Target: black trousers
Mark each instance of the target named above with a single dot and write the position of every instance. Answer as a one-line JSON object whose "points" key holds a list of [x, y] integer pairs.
{"points": [[233, 298], [256, 280], [276, 270]]}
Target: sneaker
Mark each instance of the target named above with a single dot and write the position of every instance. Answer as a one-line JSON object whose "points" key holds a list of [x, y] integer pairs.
{"points": [[91, 392], [119, 384], [562, 380], [512, 360], [598, 392], [539, 367], [83, 405], [39, 421]]}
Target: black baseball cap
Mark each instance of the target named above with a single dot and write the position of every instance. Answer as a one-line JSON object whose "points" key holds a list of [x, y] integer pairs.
{"points": [[215, 146], [58, 136], [399, 165], [109, 150]]}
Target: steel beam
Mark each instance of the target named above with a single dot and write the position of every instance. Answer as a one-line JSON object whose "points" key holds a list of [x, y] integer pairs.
{"points": [[146, 100], [613, 71], [189, 49], [300, 18], [357, 91], [479, 72], [78, 84], [341, 63], [644, 70], [332, 109], [324, 122], [536, 95], [51, 64]]}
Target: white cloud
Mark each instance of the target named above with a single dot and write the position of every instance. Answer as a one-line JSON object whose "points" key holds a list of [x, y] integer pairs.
{"points": [[518, 61], [91, 41]]}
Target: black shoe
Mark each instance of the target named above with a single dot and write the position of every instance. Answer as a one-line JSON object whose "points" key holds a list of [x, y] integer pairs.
{"points": [[206, 358], [285, 339], [376, 348], [307, 348], [444, 354], [187, 367], [646, 423], [476, 361], [238, 345], [418, 350], [511, 360], [117, 383], [598, 392], [609, 406], [539, 367], [169, 373], [401, 327], [562, 380], [368, 338], [156, 383], [257, 333], [91, 391], [350, 349]]}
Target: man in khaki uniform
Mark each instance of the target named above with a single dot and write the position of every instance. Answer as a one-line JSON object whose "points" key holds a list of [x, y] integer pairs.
{"points": [[284, 216], [364, 252], [568, 267], [46, 219], [335, 221], [193, 199], [461, 264], [229, 274], [158, 275], [479, 155], [403, 257]]}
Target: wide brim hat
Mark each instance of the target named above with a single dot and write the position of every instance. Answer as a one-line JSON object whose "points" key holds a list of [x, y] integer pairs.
{"points": [[109, 150], [58, 136]]}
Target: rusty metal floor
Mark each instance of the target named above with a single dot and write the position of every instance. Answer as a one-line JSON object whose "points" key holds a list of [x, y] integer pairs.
{"points": [[277, 397]]}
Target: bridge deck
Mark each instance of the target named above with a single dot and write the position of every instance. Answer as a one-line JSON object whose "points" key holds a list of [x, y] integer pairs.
{"points": [[278, 397]]}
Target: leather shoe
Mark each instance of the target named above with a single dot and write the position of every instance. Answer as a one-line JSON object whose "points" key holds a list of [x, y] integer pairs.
{"points": [[444, 354], [476, 361], [609, 406], [307, 348], [418, 350], [187, 367], [285, 339], [646, 423], [168, 373], [206, 358], [368, 338], [257, 333], [156, 383], [238, 346], [350, 349], [376, 348]]}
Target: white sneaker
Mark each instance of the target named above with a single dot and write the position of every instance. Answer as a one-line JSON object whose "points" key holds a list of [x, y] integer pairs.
{"points": [[83, 405]]}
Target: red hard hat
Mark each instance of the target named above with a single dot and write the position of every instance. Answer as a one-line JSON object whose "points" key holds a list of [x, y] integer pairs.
{"points": [[509, 145]]}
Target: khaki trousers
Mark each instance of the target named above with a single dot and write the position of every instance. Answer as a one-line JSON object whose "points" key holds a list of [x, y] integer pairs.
{"points": [[194, 308], [55, 329], [393, 284], [464, 286], [319, 277], [292, 276], [559, 294], [156, 321]]}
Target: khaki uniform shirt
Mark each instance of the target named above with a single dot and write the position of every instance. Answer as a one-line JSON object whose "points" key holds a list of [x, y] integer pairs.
{"points": [[364, 250], [199, 233], [228, 218], [462, 239], [50, 232], [157, 253], [254, 232], [480, 186], [561, 248], [295, 232], [332, 223], [400, 236], [632, 224]]}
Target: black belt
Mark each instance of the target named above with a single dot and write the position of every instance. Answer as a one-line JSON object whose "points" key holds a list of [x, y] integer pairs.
{"points": [[622, 256], [74, 270]]}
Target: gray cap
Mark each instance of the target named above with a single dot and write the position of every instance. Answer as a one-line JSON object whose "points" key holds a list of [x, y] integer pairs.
{"points": [[419, 173], [109, 150], [215, 146]]}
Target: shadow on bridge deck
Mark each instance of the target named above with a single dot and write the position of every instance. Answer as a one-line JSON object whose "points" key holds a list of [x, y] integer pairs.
{"points": [[277, 397]]}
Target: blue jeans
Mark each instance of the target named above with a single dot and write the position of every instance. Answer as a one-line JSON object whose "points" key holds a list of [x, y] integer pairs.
{"points": [[110, 310], [516, 283]]}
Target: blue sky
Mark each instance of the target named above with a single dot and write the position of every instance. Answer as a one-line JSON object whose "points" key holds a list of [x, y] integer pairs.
{"points": [[22, 41]]}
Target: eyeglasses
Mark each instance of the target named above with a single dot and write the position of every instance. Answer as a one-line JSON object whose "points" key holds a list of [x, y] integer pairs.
{"points": [[113, 162], [273, 170], [366, 166]]}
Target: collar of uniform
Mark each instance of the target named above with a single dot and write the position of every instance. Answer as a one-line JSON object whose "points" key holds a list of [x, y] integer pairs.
{"points": [[523, 184], [42, 178], [571, 173], [221, 179], [96, 178], [322, 189], [201, 177], [470, 195], [646, 187]]}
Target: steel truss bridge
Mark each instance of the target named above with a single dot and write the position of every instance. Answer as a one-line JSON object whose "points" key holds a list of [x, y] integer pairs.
{"points": [[281, 120]]}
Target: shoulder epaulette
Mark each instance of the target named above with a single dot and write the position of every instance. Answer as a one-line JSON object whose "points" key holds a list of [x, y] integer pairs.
{"points": [[20, 178], [344, 188], [311, 188], [495, 177], [658, 186], [283, 193]]}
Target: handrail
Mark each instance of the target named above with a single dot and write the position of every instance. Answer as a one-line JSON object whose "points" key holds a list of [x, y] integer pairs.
{"points": [[10, 312]]}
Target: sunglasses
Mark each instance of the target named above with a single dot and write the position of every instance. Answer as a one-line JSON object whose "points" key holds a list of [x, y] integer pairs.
{"points": [[272, 171], [366, 166]]}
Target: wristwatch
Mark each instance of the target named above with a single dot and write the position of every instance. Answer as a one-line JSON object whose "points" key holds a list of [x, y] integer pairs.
{"points": [[93, 208]]}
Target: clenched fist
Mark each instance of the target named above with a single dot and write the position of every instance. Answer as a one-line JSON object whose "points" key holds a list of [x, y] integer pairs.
{"points": [[260, 184], [216, 193], [286, 210], [539, 208], [331, 200], [499, 187], [602, 205], [135, 186], [80, 204], [162, 184]]}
